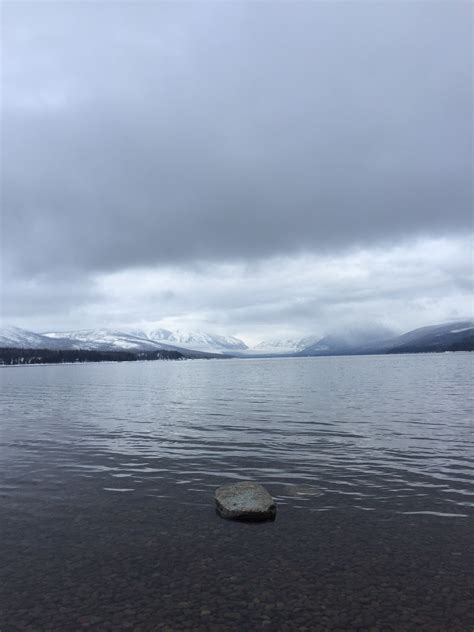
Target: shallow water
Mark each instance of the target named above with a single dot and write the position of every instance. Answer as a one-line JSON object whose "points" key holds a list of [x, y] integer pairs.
{"points": [[108, 473]]}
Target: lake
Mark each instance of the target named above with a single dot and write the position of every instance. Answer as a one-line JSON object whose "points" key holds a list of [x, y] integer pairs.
{"points": [[108, 473]]}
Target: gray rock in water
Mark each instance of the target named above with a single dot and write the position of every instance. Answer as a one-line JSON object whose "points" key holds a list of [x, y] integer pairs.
{"points": [[245, 501]]}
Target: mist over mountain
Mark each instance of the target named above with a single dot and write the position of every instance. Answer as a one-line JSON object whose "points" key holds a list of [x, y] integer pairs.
{"points": [[277, 345], [352, 337], [458, 336], [454, 336], [353, 340]]}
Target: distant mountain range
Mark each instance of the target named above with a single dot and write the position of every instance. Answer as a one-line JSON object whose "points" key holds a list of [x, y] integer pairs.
{"points": [[147, 340], [454, 336], [285, 345], [123, 340], [195, 340], [375, 339]]}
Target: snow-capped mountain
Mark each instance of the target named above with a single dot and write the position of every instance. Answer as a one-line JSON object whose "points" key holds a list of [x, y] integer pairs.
{"points": [[128, 339], [103, 339], [374, 339], [455, 336], [275, 345], [452, 336], [148, 339], [195, 340], [282, 346], [15, 337]]}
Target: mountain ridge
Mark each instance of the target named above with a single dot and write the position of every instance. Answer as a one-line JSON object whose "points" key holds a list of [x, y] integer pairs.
{"points": [[454, 335], [431, 338]]}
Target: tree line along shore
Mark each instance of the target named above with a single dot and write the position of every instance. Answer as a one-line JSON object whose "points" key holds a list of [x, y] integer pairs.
{"points": [[13, 356]]}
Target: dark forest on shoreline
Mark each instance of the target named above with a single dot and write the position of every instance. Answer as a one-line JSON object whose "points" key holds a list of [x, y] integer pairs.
{"points": [[12, 356]]}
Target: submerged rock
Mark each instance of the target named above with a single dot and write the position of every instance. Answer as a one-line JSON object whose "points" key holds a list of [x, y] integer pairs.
{"points": [[245, 501], [302, 490]]}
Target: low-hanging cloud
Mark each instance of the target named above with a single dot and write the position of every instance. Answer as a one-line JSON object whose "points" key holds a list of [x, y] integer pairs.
{"points": [[157, 134], [413, 284]]}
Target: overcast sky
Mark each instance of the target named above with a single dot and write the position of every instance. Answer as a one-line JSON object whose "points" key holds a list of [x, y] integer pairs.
{"points": [[252, 168]]}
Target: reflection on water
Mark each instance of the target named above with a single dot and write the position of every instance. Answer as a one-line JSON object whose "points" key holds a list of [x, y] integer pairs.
{"points": [[378, 439], [393, 433]]}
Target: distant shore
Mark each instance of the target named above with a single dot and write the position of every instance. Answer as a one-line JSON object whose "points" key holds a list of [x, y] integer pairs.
{"points": [[22, 357], [45, 357]]}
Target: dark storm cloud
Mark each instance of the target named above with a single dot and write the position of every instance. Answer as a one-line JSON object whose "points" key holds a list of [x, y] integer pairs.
{"points": [[155, 133]]}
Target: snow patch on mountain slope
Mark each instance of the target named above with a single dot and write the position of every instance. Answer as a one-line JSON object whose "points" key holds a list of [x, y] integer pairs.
{"points": [[16, 337], [283, 345], [103, 339], [195, 340], [148, 339]]}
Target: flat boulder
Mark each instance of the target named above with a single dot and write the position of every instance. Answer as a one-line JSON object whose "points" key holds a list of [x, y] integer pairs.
{"points": [[245, 501]]}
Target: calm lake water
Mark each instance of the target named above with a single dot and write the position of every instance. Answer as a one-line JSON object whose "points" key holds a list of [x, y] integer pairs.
{"points": [[108, 473]]}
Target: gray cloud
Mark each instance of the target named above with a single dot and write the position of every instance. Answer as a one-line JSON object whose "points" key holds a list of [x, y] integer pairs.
{"points": [[152, 134]]}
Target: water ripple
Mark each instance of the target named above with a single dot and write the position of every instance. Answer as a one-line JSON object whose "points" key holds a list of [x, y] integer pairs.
{"points": [[374, 433]]}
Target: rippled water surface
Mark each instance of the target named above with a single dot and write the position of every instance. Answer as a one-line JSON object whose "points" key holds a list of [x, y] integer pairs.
{"points": [[108, 473]]}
